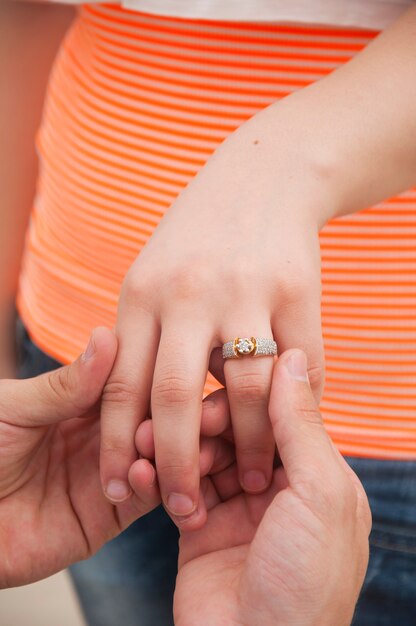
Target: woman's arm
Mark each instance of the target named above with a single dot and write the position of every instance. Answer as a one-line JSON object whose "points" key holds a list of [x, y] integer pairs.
{"points": [[356, 128], [237, 254], [29, 38]]}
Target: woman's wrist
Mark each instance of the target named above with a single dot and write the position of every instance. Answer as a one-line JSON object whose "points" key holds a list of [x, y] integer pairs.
{"points": [[275, 148]]}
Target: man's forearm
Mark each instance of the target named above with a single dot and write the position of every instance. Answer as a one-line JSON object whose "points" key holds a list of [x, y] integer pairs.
{"points": [[29, 38]]}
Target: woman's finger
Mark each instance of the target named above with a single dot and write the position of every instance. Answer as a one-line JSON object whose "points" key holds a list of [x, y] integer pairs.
{"points": [[215, 455], [126, 399], [215, 421], [146, 495], [248, 381], [227, 482], [176, 401]]}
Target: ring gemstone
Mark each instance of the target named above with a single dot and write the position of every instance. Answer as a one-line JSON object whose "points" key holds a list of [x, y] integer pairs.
{"points": [[244, 345]]}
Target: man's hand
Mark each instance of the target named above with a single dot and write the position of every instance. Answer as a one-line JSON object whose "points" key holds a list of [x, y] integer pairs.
{"points": [[295, 555], [52, 509]]}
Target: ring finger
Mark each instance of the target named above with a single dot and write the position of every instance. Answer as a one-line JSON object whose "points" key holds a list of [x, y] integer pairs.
{"points": [[248, 381]]}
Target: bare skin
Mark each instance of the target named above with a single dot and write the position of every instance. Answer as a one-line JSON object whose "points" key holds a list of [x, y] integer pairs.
{"points": [[295, 554]]}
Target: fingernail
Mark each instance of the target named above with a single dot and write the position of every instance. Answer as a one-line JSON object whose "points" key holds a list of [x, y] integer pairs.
{"points": [[179, 504], [90, 349], [152, 475], [254, 480], [117, 490], [297, 365]]}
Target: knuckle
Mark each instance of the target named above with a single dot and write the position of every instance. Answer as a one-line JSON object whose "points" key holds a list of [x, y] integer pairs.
{"points": [[255, 450], [240, 279], [250, 387], [191, 281], [172, 390], [333, 500], [138, 288], [316, 375], [293, 288], [311, 416], [297, 288], [325, 499], [345, 500], [115, 446], [340, 498], [61, 387], [176, 472], [59, 381], [365, 512], [120, 391]]}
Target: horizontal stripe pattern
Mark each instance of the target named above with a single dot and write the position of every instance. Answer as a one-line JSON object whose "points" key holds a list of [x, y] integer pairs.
{"points": [[136, 104]]}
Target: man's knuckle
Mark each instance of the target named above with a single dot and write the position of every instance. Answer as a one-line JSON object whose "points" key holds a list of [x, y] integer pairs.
{"points": [[316, 374], [308, 484], [339, 498], [60, 387], [364, 511], [324, 498], [310, 415], [59, 381], [349, 495]]}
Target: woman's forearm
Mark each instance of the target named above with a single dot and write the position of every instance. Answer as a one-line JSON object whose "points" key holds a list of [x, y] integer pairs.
{"points": [[353, 132], [29, 38]]}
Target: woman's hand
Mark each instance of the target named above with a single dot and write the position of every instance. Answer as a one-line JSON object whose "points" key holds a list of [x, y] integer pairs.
{"points": [[237, 254], [52, 509], [295, 554]]}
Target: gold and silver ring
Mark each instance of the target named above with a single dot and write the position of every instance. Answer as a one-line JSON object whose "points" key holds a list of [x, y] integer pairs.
{"points": [[245, 346]]}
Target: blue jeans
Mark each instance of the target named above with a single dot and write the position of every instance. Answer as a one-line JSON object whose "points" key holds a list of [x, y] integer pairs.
{"points": [[131, 580], [388, 597]]}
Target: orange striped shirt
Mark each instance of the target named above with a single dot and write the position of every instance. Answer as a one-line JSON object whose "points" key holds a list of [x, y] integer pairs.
{"points": [[136, 104]]}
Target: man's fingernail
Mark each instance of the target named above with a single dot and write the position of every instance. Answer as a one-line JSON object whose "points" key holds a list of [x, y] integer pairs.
{"points": [[179, 504], [297, 366], [90, 349], [152, 475], [254, 480], [117, 490]]}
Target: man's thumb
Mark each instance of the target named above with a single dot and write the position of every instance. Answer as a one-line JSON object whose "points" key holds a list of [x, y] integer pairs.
{"points": [[67, 392], [300, 435]]}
